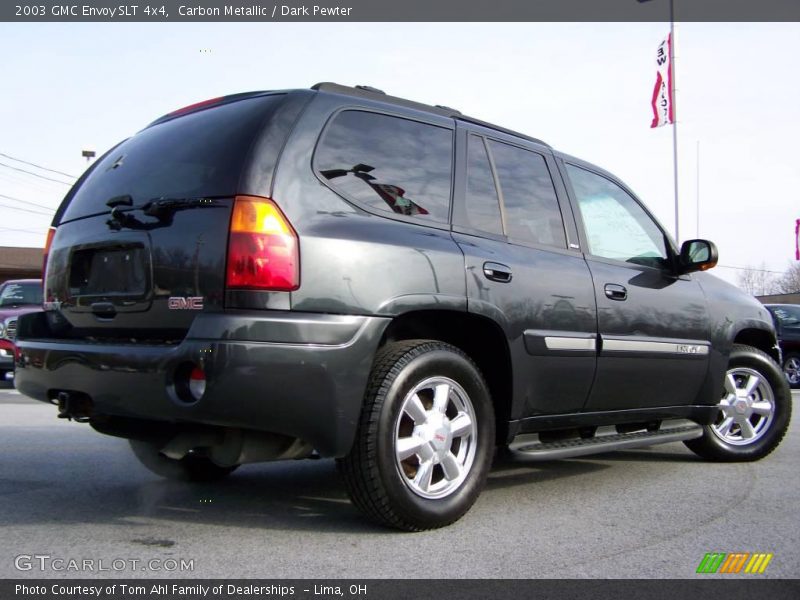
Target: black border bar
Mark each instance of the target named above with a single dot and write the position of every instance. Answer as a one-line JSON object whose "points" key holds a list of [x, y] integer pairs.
{"points": [[331, 11], [734, 587]]}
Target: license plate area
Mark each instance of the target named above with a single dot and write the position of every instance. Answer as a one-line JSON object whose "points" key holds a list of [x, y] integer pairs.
{"points": [[119, 274]]}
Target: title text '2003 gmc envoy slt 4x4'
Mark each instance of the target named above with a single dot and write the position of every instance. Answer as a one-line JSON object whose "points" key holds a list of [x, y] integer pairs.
{"points": [[336, 272]]}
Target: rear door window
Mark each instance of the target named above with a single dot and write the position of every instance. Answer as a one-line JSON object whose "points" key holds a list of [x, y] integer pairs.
{"points": [[200, 154], [482, 203], [389, 164], [529, 197]]}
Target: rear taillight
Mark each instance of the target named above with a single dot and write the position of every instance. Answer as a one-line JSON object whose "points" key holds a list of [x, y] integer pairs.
{"points": [[50, 234], [263, 249]]}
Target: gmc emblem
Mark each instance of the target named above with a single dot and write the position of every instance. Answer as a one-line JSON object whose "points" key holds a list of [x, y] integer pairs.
{"points": [[187, 303]]}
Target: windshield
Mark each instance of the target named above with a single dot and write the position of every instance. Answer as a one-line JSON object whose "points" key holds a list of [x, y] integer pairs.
{"points": [[787, 315], [19, 294]]}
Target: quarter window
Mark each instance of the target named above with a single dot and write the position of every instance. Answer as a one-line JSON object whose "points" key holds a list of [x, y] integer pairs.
{"points": [[529, 198], [616, 225], [483, 208], [389, 164]]}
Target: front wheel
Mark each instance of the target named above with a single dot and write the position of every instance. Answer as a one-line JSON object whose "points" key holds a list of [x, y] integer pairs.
{"points": [[755, 410], [424, 443], [791, 368]]}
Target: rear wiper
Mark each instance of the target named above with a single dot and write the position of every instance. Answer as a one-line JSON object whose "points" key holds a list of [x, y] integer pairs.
{"points": [[160, 206], [162, 209], [124, 200]]}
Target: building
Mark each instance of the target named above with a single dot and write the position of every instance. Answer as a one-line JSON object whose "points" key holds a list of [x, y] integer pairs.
{"points": [[20, 263], [780, 299]]}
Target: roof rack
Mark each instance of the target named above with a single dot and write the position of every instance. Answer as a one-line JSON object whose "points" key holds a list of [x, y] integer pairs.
{"points": [[366, 91], [488, 125]]}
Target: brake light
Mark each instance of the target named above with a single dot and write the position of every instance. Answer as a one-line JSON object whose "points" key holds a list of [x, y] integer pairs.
{"points": [[195, 106], [263, 249], [50, 234]]}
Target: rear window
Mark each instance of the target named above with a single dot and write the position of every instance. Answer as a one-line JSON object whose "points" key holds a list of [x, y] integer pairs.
{"points": [[196, 155], [389, 164]]}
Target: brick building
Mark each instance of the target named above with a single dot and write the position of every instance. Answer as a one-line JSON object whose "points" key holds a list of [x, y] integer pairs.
{"points": [[20, 263]]}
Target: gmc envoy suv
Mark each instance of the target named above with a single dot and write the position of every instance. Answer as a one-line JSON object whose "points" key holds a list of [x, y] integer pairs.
{"points": [[335, 272]]}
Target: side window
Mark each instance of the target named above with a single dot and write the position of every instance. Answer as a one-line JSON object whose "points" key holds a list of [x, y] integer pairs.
{"points": [[529, 198], [389, 164], [482, 204], [616, 225]]}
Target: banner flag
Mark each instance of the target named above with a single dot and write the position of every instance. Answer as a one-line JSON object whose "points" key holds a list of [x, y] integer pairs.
{"points": [[662, 101], [797, 239]]}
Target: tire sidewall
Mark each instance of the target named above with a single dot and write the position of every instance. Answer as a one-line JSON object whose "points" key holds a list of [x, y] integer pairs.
{"points": [[431, 363], [774, 376]]}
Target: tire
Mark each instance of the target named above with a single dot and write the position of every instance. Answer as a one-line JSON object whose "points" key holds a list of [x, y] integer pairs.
{"points": [[791, 369], [756, 408], [425, 439], [190, 468]]}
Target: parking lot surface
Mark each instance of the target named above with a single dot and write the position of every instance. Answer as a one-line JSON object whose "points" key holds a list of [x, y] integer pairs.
{"points": [[67, 492]]}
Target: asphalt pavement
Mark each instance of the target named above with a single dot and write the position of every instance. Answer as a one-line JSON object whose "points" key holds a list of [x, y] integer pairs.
{"points": [[71, 494]]}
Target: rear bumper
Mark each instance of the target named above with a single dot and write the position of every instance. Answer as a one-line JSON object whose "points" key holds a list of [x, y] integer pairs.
{"points": [[296, 374]]}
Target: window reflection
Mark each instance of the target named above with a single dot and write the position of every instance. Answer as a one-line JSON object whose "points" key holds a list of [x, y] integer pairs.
{"points": [[529, 198], [388, 163]]}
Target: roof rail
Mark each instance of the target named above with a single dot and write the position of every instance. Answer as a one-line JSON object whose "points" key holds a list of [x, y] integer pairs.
{"points": [[365, 91], [488, 125]]}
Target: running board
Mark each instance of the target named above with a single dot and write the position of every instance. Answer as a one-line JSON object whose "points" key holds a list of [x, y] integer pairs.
{"points": [[536, 450]]}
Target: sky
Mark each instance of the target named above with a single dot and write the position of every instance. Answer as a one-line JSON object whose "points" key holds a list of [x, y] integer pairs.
{"points": [[584, 88]]}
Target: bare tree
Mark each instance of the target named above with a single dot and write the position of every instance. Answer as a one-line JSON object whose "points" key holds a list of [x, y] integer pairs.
{"points": [[757, 281], [789, 282]]}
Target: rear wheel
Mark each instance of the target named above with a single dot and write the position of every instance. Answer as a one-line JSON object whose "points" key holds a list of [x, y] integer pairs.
{"points": [[755, 410], [791, 369], [191, 467], [425, 439]]}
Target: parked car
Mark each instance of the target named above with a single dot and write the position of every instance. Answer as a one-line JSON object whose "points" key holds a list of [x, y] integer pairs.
{"points": [[787, 323], [17, 297], [336, 272]]}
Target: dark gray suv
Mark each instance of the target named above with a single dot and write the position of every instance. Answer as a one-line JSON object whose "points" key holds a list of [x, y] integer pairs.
{"points": [[336, 272]]}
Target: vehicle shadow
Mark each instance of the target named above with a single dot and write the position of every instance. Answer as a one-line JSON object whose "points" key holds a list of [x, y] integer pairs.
{"points": [[294, 495]]}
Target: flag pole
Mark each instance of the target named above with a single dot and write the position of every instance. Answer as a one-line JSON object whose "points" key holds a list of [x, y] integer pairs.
{"points": [[698, 188], [674, 113]]}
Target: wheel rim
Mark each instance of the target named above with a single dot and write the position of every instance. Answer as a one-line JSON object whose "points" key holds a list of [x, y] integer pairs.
{"points": [[748, 407], [435, 438], [792, 370]]}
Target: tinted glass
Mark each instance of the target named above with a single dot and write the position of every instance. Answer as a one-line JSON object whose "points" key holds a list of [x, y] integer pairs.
{"points": [[616, 225], [388, 163], [196, 155], [529, 197], [19, 294], [483, 207]]}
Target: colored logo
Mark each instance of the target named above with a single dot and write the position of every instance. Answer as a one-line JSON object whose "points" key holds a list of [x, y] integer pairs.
{"points": [[736, 562]]}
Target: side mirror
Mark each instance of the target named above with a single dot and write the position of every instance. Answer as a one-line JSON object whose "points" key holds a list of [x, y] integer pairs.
{"points": [[698, 255]]}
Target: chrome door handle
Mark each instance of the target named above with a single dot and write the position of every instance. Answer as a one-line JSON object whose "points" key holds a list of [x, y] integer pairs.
{"points": [[614, 291]]}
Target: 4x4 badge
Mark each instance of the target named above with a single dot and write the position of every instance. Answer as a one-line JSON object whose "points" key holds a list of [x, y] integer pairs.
{"points": [[187, 303]]}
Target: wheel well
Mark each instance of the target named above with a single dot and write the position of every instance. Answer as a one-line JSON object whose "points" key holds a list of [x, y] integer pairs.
{"points": [[758, 338], [480, 338]]}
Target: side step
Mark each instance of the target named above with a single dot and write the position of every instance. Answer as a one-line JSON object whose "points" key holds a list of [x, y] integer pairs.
{"points": [[604, 442]]}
